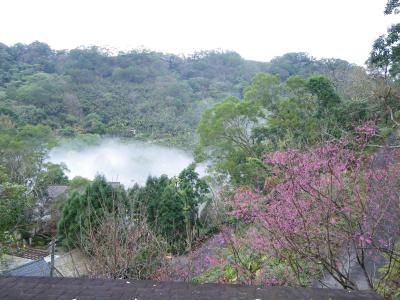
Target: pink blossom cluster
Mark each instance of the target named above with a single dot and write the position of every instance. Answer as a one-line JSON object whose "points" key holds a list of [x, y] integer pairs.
{"points": [[366, 131], [326, 198], [245, 205], [312, 191]]}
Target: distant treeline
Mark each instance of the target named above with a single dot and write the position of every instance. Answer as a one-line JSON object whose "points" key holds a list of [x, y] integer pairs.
{"points": [[139, 93]]}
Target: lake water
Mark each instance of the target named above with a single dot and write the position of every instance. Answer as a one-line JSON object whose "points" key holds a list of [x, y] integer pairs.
{"points": [[127, 162]]}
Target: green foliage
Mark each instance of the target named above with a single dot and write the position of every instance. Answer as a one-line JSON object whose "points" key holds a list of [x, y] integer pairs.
{"points": [[238, 262], [24, 176], [84, 211], [22, 151], [78, 182], [230, 274], [172, 204], [211, 275], [322, 88], [235, 133], [69, 227], [170, 218], [294, 122], [42, 90], [228, 123], [68, 132], [385, 54], [93, 124], [291, 64], [226, 136], [53, 174], [14, 204], [390, 286], [264, 89], [146, 94]]}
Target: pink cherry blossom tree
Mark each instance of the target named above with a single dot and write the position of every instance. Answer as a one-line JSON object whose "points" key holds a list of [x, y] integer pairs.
{"points": [[330, 206]]}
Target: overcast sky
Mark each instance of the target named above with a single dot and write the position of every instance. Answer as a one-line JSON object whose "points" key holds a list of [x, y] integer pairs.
{"points": [[256, 29]]}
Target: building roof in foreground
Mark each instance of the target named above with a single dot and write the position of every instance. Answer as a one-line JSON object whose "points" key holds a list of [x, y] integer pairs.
{"points": [[34, 268], [8, 262], [46, 288]]}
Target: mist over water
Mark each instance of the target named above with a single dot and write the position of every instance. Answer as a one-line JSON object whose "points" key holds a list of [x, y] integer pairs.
{"points": [[128, 162]]}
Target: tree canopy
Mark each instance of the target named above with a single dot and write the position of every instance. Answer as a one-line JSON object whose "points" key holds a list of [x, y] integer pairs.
{"points": [[142, 93]]}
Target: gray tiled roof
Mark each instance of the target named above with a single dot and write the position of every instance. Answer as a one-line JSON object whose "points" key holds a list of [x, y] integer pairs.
{"points": [[115, 184], [46, 288], [35, 268], [56, 190], [9, 262]]}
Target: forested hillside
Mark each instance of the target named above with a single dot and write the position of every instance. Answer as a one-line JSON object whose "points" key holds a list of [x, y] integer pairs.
{"points": [[148, 94]]}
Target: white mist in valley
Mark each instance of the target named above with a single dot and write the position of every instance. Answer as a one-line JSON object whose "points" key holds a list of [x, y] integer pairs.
{"points": [[127, 162]]}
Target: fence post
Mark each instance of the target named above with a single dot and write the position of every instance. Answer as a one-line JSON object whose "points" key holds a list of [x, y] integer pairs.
{"points": [[52, 250]]}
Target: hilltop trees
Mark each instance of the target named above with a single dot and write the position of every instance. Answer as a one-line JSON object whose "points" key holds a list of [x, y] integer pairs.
{"points": [[157, 95]]}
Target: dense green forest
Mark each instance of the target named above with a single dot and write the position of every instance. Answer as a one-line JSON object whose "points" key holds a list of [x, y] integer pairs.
{"points": [[143, 93]]}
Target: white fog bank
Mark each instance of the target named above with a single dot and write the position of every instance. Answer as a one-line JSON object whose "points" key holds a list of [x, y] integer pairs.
{"points": [[126, 162]]}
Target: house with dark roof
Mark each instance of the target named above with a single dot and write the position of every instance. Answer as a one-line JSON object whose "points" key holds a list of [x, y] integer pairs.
{"points": [[54, 191], [42, 210]]}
